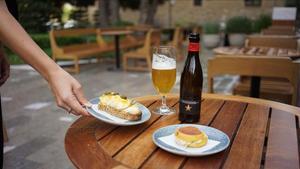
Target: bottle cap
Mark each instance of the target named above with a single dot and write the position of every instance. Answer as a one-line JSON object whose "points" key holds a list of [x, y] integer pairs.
{"points": [[194, 37]]}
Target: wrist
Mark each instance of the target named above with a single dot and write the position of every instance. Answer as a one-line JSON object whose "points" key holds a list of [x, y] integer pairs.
{"points": [[52, 71]]}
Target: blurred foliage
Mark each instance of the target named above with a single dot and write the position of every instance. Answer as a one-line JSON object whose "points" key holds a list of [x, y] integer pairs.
{"points": [[79, 3], [211, 28], [135, 4], [131, 4], [292, 3], [42, 39], [239, 24], [33, 15], [262, 22], [122, 23]]}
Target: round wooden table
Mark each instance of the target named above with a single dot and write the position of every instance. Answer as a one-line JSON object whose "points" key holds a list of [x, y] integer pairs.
{"points": [[263, 134]]}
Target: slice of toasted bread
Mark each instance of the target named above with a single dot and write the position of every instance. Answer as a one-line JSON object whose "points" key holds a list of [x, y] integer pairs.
{"points": [[120, 113]]}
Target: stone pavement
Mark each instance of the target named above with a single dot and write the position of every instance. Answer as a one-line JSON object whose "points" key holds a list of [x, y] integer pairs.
{"points": [[36, 126]]}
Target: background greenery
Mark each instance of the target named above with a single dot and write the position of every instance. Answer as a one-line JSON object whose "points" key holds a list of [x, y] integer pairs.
{"points": [[211, 28], [42, 39], [239, 24], [262, 22]]}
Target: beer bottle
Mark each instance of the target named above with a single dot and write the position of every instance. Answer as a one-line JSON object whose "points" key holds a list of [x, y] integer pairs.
{"points": [[191, 83]]}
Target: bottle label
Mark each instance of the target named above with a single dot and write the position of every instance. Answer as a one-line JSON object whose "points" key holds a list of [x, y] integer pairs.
{"points": [[194, 47], [189, 107]]}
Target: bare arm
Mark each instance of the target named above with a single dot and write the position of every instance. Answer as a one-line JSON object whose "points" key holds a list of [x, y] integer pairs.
{"points": [[66, 89]]}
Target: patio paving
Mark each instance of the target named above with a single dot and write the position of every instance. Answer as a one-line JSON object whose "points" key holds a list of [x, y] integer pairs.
{"points": [[36, 126]]}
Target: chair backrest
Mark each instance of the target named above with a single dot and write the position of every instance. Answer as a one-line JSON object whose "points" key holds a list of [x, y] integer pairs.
{"points": [[100, 39], [53, 34], [177, 37], [140, 27], [74, 32], [272, 41], [255, 66], [152, 38]]}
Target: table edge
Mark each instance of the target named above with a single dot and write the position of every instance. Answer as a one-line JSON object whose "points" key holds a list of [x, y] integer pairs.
{"points": [[281, 106]]}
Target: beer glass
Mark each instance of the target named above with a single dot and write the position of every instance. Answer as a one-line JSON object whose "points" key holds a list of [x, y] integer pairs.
{"points": [[164, 75]]}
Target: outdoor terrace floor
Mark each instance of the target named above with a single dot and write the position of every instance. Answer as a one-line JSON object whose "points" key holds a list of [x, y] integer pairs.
{"points": [[37, 127]]}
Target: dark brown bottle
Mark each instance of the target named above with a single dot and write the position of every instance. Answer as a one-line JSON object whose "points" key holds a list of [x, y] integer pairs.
{"points": [[191, 83]]}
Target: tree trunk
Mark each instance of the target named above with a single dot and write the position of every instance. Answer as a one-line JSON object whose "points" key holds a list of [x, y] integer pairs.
{"points": [[114, 16], [148, 10], [103, 13], [151, 12], [144, 6]]}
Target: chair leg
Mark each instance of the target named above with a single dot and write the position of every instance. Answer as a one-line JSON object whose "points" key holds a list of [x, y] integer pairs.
{"points": [[125, 63], [99, 59], [148, 60], [76, 65], [5, 135]]}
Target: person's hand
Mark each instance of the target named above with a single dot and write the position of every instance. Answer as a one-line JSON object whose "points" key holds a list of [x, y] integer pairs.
{"points": [[4, 69], [68, 92]]}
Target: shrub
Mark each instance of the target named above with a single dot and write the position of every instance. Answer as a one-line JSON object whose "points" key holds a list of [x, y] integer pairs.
{"points": [[33, 15], [262, 22], [43, 41], [211, 28], [239, 24], [121, 23]]}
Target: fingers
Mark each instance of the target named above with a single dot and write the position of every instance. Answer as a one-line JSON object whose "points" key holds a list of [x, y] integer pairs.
{"points": [[79, 94], [72, 102], [64, 106]]}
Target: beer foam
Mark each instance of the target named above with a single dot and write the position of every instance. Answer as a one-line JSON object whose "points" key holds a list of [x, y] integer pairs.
{"points": [[162, 62]]}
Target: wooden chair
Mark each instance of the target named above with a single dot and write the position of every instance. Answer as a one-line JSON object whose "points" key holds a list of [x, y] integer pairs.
{"points": [[177, 42], [76, 52], [256, 66], [143, 53], [272, 41]]}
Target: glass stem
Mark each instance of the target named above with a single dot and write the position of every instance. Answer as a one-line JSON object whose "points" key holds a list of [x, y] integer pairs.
{"points": [[164, 101]]}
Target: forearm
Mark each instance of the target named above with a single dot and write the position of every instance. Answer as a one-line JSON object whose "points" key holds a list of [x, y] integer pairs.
{"points": [[15, 37]]}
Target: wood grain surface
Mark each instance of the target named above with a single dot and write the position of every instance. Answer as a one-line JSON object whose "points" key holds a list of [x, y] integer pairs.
{"points": [[261, 137]]}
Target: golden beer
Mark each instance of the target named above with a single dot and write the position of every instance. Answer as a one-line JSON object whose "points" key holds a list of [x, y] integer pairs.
{"points": [[163, 79]]}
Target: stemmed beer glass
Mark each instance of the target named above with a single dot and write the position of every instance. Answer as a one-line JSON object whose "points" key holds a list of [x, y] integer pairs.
{"points": [[164, 75]]}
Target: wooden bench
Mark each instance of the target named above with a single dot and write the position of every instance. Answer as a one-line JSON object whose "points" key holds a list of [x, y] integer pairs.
{"points": [[76, 52]]}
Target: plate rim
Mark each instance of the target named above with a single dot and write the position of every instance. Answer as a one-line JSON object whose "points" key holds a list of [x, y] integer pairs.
{"points": [[186, 153], [92, 112]]}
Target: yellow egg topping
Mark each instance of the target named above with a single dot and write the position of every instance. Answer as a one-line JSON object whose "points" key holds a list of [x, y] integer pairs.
{"points": [[119, 102]]}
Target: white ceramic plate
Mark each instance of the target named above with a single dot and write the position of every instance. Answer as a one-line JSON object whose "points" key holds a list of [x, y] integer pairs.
{"points": [[105, 117], [212, 133]]}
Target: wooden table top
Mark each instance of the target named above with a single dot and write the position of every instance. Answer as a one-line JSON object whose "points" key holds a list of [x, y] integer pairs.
{"points": [[258, 51], [116, 32], [264, 134]]}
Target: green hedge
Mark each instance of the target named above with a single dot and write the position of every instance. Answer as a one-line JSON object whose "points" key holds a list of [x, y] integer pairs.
{"points": [[211, 28], [43, 41], [239, 24], [262, 22]]}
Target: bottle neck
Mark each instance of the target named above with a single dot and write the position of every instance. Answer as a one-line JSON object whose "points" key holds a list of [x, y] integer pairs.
{"points": [[194, 48]]}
